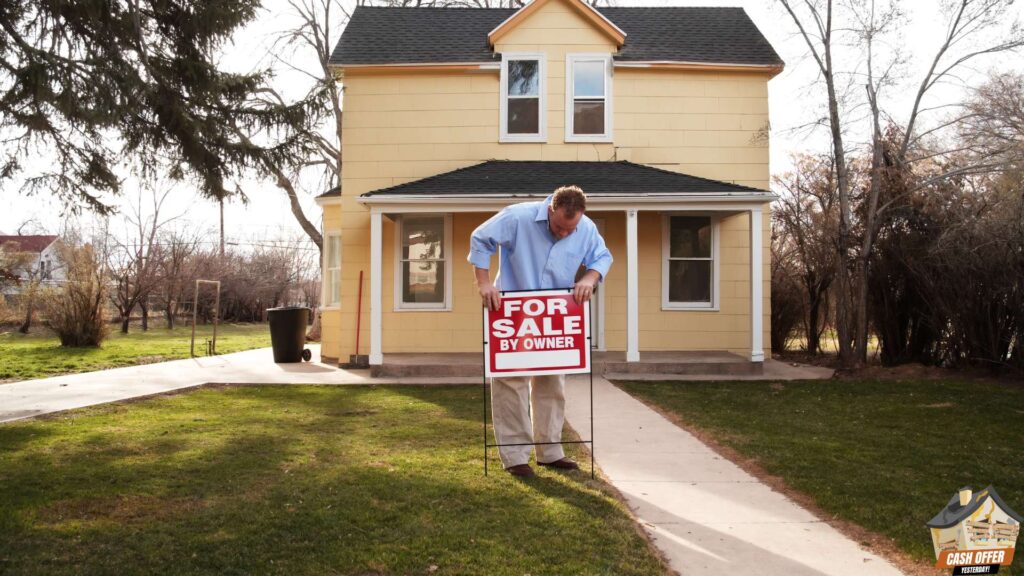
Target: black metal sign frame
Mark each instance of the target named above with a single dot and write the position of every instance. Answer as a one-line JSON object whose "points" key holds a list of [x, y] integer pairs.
{"points": [[487, 445]]}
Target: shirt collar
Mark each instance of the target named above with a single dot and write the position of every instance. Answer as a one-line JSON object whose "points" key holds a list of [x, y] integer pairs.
{"points": [[542, 209]]}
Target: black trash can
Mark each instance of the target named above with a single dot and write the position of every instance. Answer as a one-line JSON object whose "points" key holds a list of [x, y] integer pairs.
{"points": [[288, 333]]}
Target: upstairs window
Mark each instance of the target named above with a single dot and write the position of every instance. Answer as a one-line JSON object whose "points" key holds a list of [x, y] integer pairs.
{"points": [[588, 109], [523, 104]]}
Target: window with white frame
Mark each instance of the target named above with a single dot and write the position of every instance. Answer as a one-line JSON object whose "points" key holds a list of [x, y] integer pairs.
{"points": [[423, 274], [332, 271], [689, 262], [523, 101], [588, 103]]}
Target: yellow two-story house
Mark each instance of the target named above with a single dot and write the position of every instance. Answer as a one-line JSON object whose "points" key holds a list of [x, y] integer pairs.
{"points": [[659, 114]]}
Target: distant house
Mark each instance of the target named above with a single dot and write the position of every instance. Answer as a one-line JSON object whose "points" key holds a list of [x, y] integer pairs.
{"points": [[659, 114], [43, 265], [974, 521]]}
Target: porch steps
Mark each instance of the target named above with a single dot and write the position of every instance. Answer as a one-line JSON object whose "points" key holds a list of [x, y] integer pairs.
{"points": [[704, 363], [709, 363]]}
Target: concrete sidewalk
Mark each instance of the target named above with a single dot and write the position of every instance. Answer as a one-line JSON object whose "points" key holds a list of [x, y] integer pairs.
{"points": [[706, 514], [47, 395]]}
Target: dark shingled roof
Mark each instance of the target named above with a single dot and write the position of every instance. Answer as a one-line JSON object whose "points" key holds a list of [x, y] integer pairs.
{"points": [[379, 35], [537, 178], [954, 513]]}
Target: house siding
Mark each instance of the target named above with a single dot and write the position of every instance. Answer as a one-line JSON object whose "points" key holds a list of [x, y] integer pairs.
{"points": [[405, 126]]}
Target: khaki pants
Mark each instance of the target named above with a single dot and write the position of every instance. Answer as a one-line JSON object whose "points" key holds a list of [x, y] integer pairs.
{"points": [[510, 403]]}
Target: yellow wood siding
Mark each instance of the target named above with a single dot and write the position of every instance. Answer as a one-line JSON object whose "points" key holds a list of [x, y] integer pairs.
{"points": [[404, 126]]}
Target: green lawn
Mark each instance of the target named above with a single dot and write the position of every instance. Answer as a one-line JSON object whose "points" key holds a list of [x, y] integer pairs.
{"points": [[37, 356], [886, 455], [295, 480]]}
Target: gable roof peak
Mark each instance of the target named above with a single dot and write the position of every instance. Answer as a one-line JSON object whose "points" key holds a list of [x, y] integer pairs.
{"points": [[600, 21]]}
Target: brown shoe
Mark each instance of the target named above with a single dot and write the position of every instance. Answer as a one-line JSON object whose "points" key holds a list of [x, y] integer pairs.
{"points": [[563, 464], [521, 471]]}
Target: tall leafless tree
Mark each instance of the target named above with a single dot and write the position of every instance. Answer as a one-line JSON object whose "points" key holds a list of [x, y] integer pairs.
{"points": [[975, 29], [134, 262]]}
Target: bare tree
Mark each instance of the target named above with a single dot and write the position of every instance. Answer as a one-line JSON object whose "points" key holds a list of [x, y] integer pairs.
{"points": [[807, 215], [176, 249], [974, 29], [818, 34], [134, 263], [993, 125], [12, 261]]}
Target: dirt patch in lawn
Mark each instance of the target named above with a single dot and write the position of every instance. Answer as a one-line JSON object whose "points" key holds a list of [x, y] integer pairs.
{"points": [[121, 509], [874, 542]]}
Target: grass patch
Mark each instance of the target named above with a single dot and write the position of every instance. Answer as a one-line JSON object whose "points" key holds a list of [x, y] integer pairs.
{"points": [[886, 455], [295, 480], [23, 357]]}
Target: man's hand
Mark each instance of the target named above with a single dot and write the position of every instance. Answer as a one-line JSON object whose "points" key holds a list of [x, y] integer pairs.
{"points": [[490, 297], [584, 287]]}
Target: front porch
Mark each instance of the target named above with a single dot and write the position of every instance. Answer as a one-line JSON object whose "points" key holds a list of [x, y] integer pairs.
{"points": [[690, 273], [668, 363]]}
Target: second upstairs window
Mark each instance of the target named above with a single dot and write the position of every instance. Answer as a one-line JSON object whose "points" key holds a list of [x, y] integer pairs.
{"points": [[588, 106], [523, 85]]}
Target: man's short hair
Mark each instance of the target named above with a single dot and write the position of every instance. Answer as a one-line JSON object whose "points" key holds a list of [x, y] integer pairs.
{"points": [[571, 198]]}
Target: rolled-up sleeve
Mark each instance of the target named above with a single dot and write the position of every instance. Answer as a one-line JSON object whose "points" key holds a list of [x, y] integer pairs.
{"points": [[598, 258], [498, 230]]}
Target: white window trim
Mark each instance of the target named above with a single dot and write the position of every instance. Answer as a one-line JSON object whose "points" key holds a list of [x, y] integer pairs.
{"points": [[716, 260], [542, 91], [445, 306], [326, 271], [570, 87]]}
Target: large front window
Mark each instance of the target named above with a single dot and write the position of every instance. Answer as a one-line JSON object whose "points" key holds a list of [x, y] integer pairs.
{"points": [[423, 275], [522, 98], [689, 251]]}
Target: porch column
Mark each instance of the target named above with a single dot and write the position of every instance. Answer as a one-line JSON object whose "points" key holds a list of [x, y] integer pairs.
{"points": [[756, 288], [632, 290], [376, 240]]}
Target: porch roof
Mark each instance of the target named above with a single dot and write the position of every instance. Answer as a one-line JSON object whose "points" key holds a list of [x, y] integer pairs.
{"points": [[512, 178]]}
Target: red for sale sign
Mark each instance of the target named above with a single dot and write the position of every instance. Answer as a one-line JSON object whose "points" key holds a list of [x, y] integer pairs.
{"points": [[537, 332]]}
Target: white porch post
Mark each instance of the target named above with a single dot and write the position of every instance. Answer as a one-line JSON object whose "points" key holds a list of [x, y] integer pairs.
{"points": [[632, 289], [376, 241], [756, 288]]}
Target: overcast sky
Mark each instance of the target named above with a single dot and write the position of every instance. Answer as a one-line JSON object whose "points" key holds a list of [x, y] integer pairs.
{"points": [[794, 99]]}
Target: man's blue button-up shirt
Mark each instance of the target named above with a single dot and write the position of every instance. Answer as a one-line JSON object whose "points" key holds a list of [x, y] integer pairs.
{"points": [[531, 257]]}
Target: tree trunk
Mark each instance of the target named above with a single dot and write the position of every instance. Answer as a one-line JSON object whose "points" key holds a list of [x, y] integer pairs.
{"points": [[813, 314], [169, 315], [29, 308], [314, 332], [145, 317], [843, 327], [862, 309]]}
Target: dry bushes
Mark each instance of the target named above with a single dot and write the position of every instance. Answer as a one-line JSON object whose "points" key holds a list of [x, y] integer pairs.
{"points": [[76, 311]]}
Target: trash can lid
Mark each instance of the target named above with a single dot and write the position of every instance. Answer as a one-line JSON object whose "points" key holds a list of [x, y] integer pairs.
{"points": [[287, 308]]}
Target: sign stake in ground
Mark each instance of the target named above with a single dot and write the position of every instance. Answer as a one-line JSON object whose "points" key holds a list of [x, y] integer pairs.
{"points": [[537, 332], [211, 346]]}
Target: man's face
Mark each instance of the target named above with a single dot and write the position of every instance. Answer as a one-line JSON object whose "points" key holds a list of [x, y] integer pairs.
{"points": [[560, 223]]}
